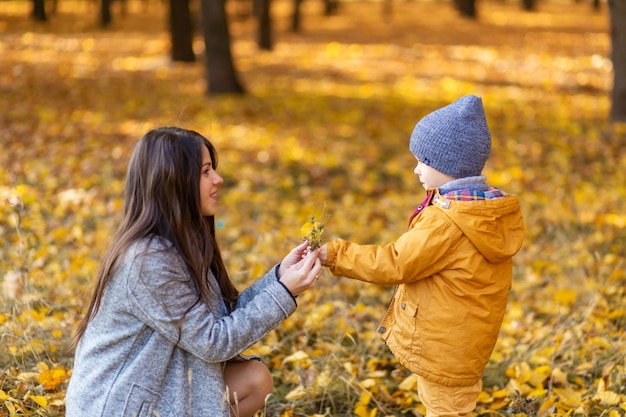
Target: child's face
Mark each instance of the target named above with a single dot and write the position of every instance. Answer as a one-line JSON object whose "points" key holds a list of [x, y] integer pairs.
{"points": [[429, 176]]}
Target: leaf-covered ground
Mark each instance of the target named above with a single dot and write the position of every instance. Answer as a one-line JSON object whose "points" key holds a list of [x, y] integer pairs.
{"points": [[327, 121]]}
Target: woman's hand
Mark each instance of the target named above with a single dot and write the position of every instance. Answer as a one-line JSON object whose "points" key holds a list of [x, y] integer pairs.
{"points": [[296, 255], [299, 273]]}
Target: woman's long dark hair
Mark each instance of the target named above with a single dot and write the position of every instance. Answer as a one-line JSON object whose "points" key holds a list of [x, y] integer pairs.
{"points": [[162, 199]]}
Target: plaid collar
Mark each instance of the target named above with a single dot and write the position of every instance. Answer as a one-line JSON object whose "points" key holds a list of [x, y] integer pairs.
{"points": [[491, 193]]}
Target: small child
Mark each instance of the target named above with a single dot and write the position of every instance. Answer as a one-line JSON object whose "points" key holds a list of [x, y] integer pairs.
{"points": [[452, 267]]}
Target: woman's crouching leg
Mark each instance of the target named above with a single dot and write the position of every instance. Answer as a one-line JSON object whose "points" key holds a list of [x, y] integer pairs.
{"points": [[249, 384]]}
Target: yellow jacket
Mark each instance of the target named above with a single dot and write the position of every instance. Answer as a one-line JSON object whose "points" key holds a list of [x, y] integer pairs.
{"points": [[453, 270]]}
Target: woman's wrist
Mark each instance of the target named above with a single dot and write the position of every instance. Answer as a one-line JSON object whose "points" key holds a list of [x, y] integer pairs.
{"points": [[277, 272]]}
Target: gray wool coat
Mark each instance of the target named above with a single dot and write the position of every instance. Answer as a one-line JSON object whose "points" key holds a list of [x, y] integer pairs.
{"points": [[131, 362]]}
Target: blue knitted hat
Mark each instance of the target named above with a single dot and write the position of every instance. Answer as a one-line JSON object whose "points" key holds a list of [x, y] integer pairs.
{"points": [[455, 139]]}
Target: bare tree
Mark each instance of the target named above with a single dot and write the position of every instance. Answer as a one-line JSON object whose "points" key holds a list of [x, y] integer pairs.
{"points": [[181, 31], [331, 7], [220, 69], [39, 10], [618, 55], [105, 13], [467, 8], [265, 25], [595, 4], [296, 16], [528, 5]]}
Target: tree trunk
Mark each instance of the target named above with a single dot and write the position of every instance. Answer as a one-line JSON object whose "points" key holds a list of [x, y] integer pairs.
{"points": [[181, 31], [617, 13], [295, 17], [105, 13], [595, 5], [123, 7], [39, 10], [331, 7], [528, 5], [265, 25], [256, 7], [467, 8], [387, 9], [220, 70]]}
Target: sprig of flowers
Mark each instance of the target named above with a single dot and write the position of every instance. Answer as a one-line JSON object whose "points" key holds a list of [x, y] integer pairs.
{"points": [[314, 228]]}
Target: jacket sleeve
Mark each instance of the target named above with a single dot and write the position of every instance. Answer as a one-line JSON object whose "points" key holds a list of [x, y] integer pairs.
{"points": [[417, 254], [162, 294]]}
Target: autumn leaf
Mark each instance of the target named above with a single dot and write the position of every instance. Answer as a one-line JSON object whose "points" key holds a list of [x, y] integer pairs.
{"points": [[41, 400], [361, 408], [409, 383], [296, 357], [51, 379], [607, 397]]}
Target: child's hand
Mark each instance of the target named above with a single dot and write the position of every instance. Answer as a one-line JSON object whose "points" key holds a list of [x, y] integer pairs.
{"points": [[324, 255]]}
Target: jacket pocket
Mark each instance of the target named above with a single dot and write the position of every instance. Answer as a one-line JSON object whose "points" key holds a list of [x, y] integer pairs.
{"points": [[407, 309], [143, 402]]}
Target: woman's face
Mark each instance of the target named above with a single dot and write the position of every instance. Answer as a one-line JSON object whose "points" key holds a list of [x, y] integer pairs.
{"points": [[210, 181]]}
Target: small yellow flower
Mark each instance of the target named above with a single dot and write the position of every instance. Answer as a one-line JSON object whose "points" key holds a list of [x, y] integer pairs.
{"points": [[313, 229], [306, 229]]}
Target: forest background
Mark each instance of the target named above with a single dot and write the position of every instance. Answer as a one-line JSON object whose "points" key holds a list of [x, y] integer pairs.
{"points": [[326, 122]]}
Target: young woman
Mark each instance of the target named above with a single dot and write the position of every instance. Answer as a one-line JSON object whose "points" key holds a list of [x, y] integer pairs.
{"points": [[166, 326]]}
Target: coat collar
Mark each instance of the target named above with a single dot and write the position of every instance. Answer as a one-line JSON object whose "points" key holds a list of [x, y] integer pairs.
{"points": [[422, 206]]}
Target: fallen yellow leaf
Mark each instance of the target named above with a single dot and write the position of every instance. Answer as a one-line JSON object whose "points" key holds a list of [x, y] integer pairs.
{"points": [[296, 393], [51, 379], [409, 383]]}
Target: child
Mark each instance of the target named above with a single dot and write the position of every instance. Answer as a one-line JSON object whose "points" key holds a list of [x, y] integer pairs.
{"points": [[453, 266], [166, 327]]}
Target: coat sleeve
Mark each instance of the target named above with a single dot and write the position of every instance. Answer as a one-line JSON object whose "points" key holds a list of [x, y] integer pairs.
{"points": [[258, 286], [164, 299], [418, 253]]}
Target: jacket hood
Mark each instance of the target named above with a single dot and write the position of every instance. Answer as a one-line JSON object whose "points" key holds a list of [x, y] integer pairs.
{"points": [[495, 227]]}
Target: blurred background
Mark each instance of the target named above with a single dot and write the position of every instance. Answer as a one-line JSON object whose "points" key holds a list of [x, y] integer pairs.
{"points": [[311, 104]]}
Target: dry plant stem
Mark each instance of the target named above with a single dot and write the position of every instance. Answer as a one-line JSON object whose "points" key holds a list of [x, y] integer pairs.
{"points": [[313, 229]]}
